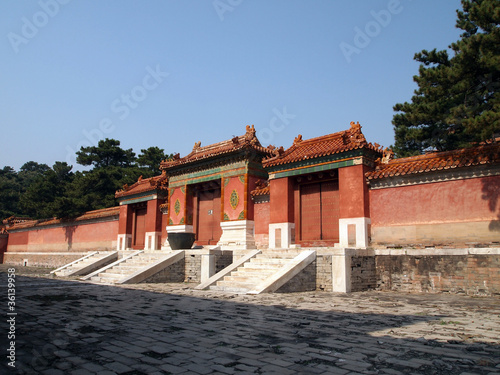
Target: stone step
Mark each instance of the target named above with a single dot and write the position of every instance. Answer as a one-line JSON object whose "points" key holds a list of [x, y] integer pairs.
{"points": [[229, 289], [242, 279], [257, 272], [227, 286]]}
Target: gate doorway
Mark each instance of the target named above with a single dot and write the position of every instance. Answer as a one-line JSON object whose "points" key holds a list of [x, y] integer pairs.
{"points": [[319, 213], [139, 229], [208, 215]]}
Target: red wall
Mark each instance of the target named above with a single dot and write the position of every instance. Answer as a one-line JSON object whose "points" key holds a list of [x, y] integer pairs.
{"points": [[262, 216], [3, 245], [440, 202], [353, 192], [282, 200], [55, 238]]}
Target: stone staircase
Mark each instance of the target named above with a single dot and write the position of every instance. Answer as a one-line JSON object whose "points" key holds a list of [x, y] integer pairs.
{"points": [[265, 272], [134, 267], [86, 264]]}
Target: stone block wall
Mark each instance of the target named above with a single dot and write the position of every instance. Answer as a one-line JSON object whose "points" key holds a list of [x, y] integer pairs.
{"points": [[363, 273], [304, 281], [469, 274], [192, 268], [172, 274], [324, 272], [50, 260], [223, 258]]}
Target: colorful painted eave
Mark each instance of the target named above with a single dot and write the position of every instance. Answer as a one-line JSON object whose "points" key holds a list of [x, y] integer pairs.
{"points": [[437, 161], [248, 141], [143, 186], [321, 147]]}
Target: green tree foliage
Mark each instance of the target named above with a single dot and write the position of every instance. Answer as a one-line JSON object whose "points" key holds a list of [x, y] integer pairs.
{"points": [[457, 102], [10, 190], [149, 159], [107, 153], [45, 197], [38, 191]]}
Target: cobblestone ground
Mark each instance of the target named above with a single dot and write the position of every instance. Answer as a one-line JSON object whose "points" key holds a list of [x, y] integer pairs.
{"points": [[70, 327]]}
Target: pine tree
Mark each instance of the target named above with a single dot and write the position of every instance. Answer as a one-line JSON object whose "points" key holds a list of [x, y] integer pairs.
{"points": [[457, 102]]}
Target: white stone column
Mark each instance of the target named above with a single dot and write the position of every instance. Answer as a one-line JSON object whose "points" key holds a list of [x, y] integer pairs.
{"points": [[361, 227], [123, 242], [152, 241], [286, 238], [207, 266], [341, 271], [238, 234]]}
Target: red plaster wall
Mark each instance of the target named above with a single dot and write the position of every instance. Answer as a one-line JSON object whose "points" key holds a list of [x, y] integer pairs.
{"points": [[353, 192], [282, 199], [234, 184], [252, 183], [153, 216], [450, 212], [68, 237], [4, 238], [125, 221], [262, 216], [441, 202]]}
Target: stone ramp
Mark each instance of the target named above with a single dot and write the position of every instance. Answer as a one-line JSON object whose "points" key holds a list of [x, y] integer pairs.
{"points": [[135, 267], [87, 264], [263, 272]]}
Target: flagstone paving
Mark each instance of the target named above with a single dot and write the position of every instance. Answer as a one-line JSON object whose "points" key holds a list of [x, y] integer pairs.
{"points": [[71, 327]]}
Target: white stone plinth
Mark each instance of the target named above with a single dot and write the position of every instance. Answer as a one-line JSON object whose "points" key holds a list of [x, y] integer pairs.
{"points": [[284, 240], [123, 242], [341, 272], [237, 234], [180, 229], [362, 232]]}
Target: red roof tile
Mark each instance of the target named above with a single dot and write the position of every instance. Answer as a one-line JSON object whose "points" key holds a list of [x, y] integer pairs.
{"points": [[262, 188], [95, 214], [437, 161], [322, 146], [246, 141], [143, 185]]}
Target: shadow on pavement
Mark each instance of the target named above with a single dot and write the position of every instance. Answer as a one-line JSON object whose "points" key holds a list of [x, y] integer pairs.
{"points": [[72, 327]]}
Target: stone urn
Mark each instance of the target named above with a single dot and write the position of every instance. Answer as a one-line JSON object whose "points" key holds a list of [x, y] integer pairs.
{"points": [[180, 241]]}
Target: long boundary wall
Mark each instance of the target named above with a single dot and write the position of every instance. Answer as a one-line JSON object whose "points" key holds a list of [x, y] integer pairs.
{"points": [[56, 242]]}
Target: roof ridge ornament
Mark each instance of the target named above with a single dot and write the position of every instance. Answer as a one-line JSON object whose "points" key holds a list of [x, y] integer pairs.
{"points": [[356, 136], [387, 156], [197, 145], [297, 139]]}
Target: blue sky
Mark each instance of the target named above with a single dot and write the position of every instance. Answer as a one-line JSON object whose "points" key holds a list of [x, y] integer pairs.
{"points": [[169, 73]]}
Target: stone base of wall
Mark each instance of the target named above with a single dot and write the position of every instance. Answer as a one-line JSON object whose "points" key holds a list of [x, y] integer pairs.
{"points": [[262, 241], [172, 274], [363, 273], [304, 281], [437, 233], [324, 272], [468, 274], [50, 260], [223, 258]]}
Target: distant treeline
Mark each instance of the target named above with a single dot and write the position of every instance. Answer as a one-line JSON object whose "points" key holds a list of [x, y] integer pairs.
{"points": [[38, 191]]}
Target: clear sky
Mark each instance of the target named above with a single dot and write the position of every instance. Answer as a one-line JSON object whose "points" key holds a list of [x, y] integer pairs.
{"points": [[170, 73]]}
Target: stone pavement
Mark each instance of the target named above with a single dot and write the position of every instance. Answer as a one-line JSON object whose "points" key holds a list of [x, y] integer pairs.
{"points": [[70, 327]]}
